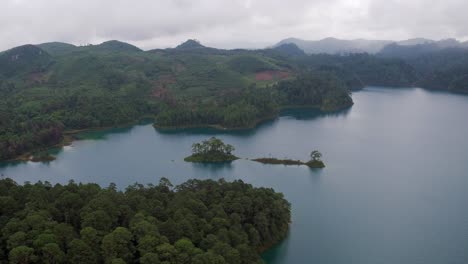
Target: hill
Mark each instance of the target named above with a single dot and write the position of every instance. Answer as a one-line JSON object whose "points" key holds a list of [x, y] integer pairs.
{"points": [[289, 49], [414, 41], [190, 44], [114, 46], [23, 60], [336, 46], [441, 65], [417, 47], [340, 46], [57, 48], [44, 96]]}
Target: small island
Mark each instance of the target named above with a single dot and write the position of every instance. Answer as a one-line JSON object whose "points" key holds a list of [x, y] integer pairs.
{"points": [[213, 150], [314, 162]]}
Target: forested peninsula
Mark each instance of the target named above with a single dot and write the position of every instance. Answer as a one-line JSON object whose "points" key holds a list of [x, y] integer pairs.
{"points": [[50, 89], [197, 222]]}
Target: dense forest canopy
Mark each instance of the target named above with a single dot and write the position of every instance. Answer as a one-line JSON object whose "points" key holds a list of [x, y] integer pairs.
{"points": [[211, 150], [51, 88], [196, 222]]}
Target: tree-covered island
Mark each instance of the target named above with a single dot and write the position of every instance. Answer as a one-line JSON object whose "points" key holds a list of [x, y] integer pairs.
{"points": [[314, 162], [213, 150], [199, 222]]}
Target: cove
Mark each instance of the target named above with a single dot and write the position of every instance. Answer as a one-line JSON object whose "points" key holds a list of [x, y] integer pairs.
{"points": [[393, 191]]}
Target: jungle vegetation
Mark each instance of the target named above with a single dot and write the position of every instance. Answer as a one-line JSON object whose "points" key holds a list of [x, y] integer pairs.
{"points": [[49, 89], [199, 222], [211, 150]]}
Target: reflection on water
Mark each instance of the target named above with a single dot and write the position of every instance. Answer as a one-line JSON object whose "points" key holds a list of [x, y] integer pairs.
{"points": [[213, 167], [99, 134], [310, 113]]}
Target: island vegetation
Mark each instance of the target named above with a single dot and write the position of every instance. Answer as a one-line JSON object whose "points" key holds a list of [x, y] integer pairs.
{"points": [[199, 222], [314, 162], [50, 89], [213, 150]]}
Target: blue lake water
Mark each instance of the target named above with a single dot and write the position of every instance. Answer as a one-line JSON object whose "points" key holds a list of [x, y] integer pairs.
{"points": [[394, 189]]}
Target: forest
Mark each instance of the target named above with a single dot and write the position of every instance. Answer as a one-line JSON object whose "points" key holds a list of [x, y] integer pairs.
{"points": [[50, 89], [200, 222]]}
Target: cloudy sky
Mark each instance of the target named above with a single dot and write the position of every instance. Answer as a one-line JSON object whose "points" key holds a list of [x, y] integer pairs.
{"points": [[226, 24]]}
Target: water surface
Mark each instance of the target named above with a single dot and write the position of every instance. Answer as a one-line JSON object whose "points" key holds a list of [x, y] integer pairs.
{"points": [[394, 189]]}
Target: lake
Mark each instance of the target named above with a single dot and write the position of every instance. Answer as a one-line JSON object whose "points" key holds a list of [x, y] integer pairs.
{"points": [[395, 189]]}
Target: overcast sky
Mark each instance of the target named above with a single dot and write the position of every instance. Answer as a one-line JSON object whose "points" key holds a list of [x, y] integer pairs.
{"points": [[226, 24]]}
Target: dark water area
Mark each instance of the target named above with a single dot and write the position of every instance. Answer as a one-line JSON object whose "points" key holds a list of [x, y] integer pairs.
{"points": [[394, 189]]}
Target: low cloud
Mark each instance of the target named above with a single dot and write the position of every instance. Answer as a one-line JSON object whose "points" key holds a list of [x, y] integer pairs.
{"points": [[229, 24]]}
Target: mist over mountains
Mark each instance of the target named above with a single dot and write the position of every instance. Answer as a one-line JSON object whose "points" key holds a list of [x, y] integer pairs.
{"points": [[341, 46]]}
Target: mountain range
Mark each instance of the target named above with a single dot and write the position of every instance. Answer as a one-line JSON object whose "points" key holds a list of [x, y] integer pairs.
{"points": [[341, 46]]}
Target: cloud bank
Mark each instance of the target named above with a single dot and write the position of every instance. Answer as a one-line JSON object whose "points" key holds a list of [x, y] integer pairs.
{"points": [[226, 24]]}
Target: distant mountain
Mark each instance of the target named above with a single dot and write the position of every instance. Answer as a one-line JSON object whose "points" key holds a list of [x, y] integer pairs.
{"points": [[448, 43], [405, 50], [190, 44], [57, 48], [341, 46], [289, 49], [23, 60], [114, 45], [60, 48], [414, 41], [336, 46]]}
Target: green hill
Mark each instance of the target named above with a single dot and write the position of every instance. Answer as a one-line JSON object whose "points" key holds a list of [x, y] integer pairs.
{"points": [[190, 44], [57, 48], [114, 46], [44, 95], [23, 60]]}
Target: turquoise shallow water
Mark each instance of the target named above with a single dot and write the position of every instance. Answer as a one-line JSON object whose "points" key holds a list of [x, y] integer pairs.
{"points": [[394, 189]]}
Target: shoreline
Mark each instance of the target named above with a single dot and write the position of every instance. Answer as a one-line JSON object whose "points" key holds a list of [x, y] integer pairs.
{"points": [[313, 164], [256, 123], [69, 138]]}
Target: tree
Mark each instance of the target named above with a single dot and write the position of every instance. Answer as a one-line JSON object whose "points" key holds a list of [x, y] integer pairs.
{"points": [[212, 146], [90, 236], [166, 252], [21, 255], [150, 258], [118, 244], [52, 254], [44, 239], [80, 253], [315, 155], [211, 150], [171, 230], [118, 261], [208, 258], [148, 244], [98, 220]]}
